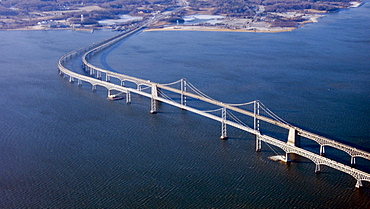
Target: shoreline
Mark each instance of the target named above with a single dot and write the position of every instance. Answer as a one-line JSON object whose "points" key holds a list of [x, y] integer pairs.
{"points": [[204, 28], [259, 29], [38, 28], [170, 28]]}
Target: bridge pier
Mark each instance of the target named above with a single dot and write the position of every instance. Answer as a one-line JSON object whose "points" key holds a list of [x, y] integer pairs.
{"points": [[317, 168], [256, 124], [288, 157], [293, 138], [358, 184], [322, 150], [223, 125], [183, 89], [71, 80], [128, 97], [258, 144], [153, 101], [93, 88], [79, 82], [353, 161], [107, 78]]}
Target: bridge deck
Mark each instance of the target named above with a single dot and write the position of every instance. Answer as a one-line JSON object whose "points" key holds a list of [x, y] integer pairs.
{"points": [[288, 148]]}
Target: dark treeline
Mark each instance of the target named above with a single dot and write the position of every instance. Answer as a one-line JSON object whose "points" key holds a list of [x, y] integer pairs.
{"points": [[21, 13], [248, 8], [61, 5]]}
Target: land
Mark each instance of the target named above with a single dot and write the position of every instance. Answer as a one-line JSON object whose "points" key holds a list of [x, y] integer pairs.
{"points": [[239, 15]]}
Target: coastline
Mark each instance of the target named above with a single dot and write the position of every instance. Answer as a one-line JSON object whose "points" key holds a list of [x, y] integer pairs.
{"points": [[205, 28], [260, 27], [39, 28]]}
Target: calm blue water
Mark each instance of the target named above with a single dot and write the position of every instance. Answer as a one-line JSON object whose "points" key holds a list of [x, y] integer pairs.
{"points": [[63, 146]]}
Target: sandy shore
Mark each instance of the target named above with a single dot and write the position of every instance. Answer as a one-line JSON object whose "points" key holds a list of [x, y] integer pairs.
{"points": [[203, 28]]}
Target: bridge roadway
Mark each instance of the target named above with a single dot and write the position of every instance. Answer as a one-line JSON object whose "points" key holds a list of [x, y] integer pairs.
{"points": [[322, 141], [288, 147]]}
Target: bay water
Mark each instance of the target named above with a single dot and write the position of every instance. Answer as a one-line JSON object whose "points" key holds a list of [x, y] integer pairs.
{"points": [[63, 146]]}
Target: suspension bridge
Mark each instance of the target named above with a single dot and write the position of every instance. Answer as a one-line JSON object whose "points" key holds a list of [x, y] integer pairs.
{"points": [[181, 92]]}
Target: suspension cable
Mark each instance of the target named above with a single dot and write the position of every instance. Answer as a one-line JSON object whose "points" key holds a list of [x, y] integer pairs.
{"points": [[212, 110], [165, 96], [169, 84], [273, 115], [192, 87], [247, 103], [240, 122]]}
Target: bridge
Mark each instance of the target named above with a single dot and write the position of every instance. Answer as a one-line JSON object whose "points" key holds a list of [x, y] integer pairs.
{"points": [[224, 113]]}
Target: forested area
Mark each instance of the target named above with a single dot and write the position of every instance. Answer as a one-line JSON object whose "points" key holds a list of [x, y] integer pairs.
{"points": [[247, 8]]}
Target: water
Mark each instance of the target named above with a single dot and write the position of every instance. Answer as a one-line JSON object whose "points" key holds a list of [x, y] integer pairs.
{"points": [[63, 146]]}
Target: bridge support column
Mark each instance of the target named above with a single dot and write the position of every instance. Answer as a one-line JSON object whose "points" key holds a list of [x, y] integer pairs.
{"points": [[258, 143], [183, 89], [353, 161], [128, 97], [153, 101], [71, 80], [322, 150], [122, 83], [317, 168], [288, 157], [93, 88], [358, 184], [223, 125], [79, 82], [293, 138], [91, 71], [256, 125], [98, 74], [107, 78]]}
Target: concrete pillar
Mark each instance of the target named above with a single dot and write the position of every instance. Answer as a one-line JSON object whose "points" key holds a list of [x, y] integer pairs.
{"points": [[358, 184], [256, 111], [288, 157], [353, 161], [293, 138], [223, 125], [317, 168], [256, 125], [258, 143], [322, 150], [128, 97], [183, 89], [153, 101]]}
